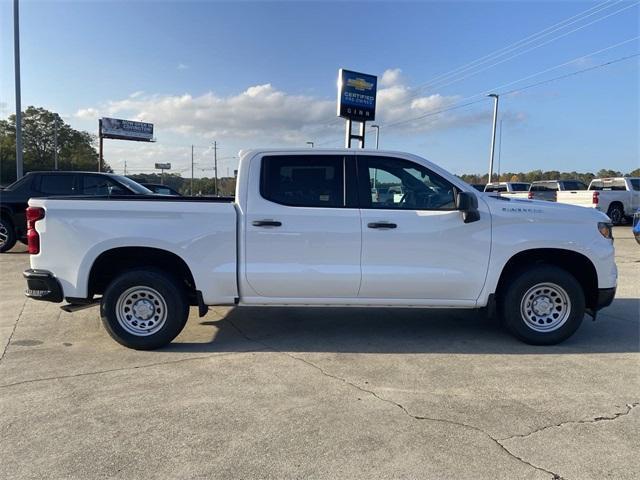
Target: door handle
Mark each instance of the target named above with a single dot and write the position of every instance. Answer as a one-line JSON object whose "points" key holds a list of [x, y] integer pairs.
{"points": [[382, 225], [266, 223]]}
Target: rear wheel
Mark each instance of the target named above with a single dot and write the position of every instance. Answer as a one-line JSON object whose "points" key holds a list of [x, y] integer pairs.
{"points": [[7, 235], [543, 305], [616, 214], [144, 309]]}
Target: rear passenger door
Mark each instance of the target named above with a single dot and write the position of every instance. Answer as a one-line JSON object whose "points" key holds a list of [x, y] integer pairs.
{"points": [[302, 227]]}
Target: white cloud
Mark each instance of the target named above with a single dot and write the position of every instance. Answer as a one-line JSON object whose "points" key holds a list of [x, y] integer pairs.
{"points": [[390, 77], [86, 113], [182, 66]]}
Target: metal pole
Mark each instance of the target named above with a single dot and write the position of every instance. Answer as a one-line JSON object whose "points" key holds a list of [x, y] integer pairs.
{"points": [[191, 188], [361, 133], [347, 133], [215, 167], [16, 56], [311, 143], [125, 168], [377, 127], [493, 134], [100, 141], [500, 150], [55, 145]]}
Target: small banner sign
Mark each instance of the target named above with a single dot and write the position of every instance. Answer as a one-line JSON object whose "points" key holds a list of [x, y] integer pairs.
{"points": [[126, 129], [357, 95]]}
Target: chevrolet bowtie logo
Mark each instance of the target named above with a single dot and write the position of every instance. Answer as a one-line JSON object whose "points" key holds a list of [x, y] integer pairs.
{"points": [[359, 84]]}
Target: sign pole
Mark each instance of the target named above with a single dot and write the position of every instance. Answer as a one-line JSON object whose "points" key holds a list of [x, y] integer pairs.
{"points": [[16, 56], [361, 135], [347, 133], [100, 142]]}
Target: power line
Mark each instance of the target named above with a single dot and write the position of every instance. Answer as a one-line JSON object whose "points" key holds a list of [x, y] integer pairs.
{"points": [[521, 43], [527, 50]]}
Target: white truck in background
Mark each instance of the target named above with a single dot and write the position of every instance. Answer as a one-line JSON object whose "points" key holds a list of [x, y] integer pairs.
{"points": [[618, 197], [306, 229]]}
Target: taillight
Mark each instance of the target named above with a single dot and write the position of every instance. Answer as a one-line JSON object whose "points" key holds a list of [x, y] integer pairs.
{"points": [[33, 239], [595, 198], [530, 195]]}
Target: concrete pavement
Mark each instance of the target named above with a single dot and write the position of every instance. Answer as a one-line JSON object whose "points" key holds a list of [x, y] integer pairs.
{"points": [[319, 393]]}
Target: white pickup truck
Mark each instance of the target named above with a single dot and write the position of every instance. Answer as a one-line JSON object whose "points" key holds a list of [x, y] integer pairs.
{"points": [[617, 197], [305, 229]]}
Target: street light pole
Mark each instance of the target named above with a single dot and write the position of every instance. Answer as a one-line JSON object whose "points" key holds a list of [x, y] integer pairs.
{"points": [[16, 57], [493, 133], [377, 127], [215, 167], [55, 144]]}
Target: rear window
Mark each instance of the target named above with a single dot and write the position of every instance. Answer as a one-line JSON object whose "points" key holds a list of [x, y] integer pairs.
{"points": [[544, 187], [635, 183], [608, 184], [495, 188], [303, 181], [573, 185], [520, 187], [56, 184]]}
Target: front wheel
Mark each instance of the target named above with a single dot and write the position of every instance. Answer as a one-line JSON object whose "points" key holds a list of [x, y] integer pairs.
{"points": [[543, 305], [144, 309]]}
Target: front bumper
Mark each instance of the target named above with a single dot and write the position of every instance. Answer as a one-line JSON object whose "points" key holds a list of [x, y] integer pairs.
{"points": [[605, 297], [42, 285]]}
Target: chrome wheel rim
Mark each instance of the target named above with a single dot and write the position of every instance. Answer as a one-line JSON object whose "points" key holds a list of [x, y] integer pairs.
{"points": [[545, 307], [4, 234], [616, 215], [141, 311]]}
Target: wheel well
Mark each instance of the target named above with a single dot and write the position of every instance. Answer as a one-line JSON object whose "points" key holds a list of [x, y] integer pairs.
{"points": [[112, 262], [573, 262]]}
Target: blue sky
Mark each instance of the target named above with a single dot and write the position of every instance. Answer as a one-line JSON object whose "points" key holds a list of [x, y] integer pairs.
{"points": [[264, 74]]}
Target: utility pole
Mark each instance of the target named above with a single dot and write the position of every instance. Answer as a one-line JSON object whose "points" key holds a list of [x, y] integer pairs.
{"points": [[500, 150], [16, 57], [377, 127], [55, 144], [215, 167], [191, 188], [125, 168], [493, 134], [100, 142]]}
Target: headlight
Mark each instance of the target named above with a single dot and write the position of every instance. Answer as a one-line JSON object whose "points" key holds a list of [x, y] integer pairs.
{"points": [[606, 229]]}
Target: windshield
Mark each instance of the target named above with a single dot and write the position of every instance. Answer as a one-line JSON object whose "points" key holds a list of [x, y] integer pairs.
{"points": [[135, 186], [17, 183]]}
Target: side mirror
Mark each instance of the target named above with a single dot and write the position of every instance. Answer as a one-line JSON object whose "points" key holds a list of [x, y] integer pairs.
{"points": [[467, 203]]}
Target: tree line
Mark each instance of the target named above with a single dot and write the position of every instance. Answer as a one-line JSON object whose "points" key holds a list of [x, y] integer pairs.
{"points": [[536, 175], [44, 134]]}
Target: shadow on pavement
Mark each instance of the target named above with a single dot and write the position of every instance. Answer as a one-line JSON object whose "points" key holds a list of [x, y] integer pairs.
{"points": [[371, 330]]}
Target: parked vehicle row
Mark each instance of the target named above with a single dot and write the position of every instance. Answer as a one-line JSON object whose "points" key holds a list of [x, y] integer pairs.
{"points": [[14, 198], [307, 228]]}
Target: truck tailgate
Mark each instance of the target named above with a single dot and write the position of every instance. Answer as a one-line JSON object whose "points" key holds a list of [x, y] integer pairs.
{"points": [[581, 198]]}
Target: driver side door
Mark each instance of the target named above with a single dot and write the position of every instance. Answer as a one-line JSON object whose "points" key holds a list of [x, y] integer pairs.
{"points": [[415, 244]]}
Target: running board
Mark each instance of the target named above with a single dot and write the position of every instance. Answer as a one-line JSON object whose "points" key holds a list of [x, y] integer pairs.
{"points": [[74, 307]]}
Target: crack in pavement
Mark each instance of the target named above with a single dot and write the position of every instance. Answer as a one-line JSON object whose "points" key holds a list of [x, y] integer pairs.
{"points": [[136, 367], [6, 347], [629, 407], [554, 476]]}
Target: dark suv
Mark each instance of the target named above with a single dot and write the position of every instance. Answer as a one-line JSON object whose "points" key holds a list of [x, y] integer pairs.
{"points": [[14, 198]]}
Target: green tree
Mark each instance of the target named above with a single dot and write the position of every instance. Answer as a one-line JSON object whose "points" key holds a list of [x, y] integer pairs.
{"points": [[75, 148]]}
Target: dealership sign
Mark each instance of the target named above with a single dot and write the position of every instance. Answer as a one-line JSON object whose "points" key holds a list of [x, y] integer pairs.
{"points": [[126, 129], [163, 166], [357, 95]]}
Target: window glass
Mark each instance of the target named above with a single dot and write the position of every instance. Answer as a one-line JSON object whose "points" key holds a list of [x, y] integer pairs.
{"points": [[635, 183], [400, 184], [520, 187], [98, 185], [57, 184], [303, 181], [574, 185], [495, 188]]}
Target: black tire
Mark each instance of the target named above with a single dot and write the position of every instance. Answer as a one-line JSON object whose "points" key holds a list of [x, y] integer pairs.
{"points": [[616, 214], [161, 300], [556, 292], [7, 235]]}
